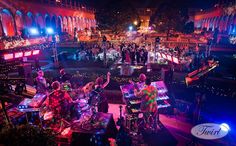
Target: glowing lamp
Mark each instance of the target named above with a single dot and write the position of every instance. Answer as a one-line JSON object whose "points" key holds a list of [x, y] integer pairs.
{"points": [[18, 54], [28, 53], [130, 28], [224, 127], [49, 30], [135, 22], [35, 52], [8, 56], [33, 31]]}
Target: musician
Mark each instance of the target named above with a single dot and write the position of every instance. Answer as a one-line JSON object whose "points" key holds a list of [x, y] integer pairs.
{"points": [[142, 78], [149, 100], [64, 76], [59, 101], [41, 83], [99, 88]]}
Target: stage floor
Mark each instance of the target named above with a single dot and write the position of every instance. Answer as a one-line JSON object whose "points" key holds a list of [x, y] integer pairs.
{"points": [[176, 126]]}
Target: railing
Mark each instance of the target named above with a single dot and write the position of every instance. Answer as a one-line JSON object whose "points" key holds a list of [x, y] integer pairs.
{"points": [[63, 4]]}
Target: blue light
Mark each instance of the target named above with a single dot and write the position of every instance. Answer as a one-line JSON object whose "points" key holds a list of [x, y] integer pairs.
{"points": [[33, 31], [49, 30], [130, 28], [224, 127]]}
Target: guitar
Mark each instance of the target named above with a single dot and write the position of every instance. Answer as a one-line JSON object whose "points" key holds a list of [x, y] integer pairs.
{"points": [[120, 121]]}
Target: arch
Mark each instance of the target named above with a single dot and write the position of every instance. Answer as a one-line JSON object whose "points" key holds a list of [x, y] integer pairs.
{"points": [[40, 21], [214, 23], [59, 24], [224, 23], [47, 20], [211, 24], [30, 22], [54, 22], [203, 23], [69, 24], [65, 22], [221, 23], [19, 22], [80, 23], [208, 23], [77, 22], [217, 22], [74, 23], [8, 23]]}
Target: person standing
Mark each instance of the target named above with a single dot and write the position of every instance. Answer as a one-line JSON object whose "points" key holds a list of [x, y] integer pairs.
{"points": [[149, 101], [132, 55], [137, 55], [122, 53], [127, 56], [41, 83], [64, 76], [99, 89]]}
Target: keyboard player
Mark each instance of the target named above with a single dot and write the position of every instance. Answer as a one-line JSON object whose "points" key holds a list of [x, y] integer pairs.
{"points": [[148, 97]]}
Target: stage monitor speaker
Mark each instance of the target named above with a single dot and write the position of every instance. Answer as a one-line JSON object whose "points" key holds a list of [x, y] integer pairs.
{"points": [[25, 71]]}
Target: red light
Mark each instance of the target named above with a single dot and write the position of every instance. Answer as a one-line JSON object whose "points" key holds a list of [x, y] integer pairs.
{"points": [[28, 53], [35, 52], [175, 60], [18, 54], [8, 56]]}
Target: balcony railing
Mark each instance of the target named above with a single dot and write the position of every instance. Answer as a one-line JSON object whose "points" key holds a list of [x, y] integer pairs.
{"points": [[63, 4]]}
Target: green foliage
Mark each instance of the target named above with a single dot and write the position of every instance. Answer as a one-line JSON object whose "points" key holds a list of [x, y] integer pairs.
{"points": [[26, 135], [169, 17], [116, 16]]}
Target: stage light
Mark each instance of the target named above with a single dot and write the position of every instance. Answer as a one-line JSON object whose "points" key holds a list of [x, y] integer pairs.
{"points": [[224, 127], [35, 52], [27, 53], [130, 28], [33, 31], [49, 30], [18, 54], [135, 22], [8, 56]]}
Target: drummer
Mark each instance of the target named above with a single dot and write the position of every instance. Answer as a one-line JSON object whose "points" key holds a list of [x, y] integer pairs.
{"points": [[60, 101]]}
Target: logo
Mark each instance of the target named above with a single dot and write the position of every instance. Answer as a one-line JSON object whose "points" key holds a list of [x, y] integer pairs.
{"points": [[210, 131]]}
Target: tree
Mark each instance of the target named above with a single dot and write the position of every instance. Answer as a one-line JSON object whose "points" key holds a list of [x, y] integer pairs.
{"points": [[116, 16], [189, 27], [168, 17]]}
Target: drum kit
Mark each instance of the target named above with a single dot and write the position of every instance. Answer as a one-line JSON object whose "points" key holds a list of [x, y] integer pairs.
{"points": [[85, 113]]}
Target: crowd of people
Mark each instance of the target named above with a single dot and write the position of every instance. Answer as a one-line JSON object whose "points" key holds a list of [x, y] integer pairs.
{"points": [[92, 51], [131, 53]]}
